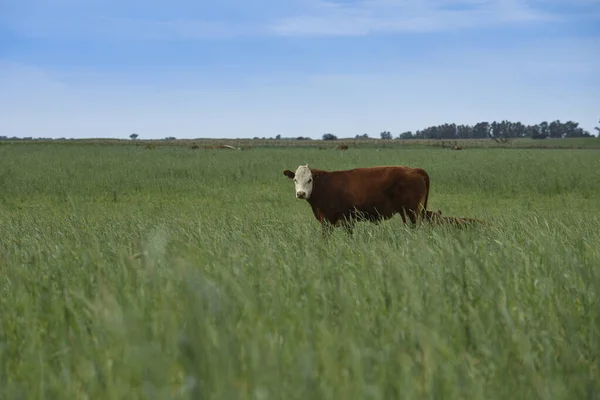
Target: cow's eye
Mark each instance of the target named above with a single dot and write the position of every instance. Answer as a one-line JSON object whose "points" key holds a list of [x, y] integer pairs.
{"points": [[310, 180]]}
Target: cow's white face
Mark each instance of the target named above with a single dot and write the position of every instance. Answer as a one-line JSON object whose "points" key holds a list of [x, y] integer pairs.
{"points": [[303, 180]]}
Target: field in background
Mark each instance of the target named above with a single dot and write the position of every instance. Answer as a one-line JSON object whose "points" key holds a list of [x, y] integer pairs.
{"points": [[574, 143], [172, 273]]}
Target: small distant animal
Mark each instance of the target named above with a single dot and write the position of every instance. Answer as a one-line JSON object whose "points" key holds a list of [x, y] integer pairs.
{"points": [[195, 147], [340, 198], [342, 147], [457, 148]]}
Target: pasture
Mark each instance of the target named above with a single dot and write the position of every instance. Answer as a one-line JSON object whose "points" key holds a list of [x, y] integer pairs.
{"points": [[174, 273]]}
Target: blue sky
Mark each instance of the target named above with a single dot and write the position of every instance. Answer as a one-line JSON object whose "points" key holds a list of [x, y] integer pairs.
{"points": [[107, 68]]}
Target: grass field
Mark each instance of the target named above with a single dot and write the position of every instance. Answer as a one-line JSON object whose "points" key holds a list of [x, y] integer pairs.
{"points": [[128, 273]]}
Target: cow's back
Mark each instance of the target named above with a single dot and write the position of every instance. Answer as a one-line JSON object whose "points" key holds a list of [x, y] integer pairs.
{"points": [[376, 180], [380, 190]]}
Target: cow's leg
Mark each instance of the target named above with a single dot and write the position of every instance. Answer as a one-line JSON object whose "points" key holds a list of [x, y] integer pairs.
{"points": [[412, 215], [326, 228], [407, 212], [326, 225], [348, 225], [349, 228], [402, 215]]}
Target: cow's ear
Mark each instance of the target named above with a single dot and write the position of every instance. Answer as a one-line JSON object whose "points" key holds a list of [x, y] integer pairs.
{"points": [[289, 174]]}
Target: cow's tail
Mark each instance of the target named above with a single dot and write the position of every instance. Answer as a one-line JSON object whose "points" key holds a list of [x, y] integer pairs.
{"points": [[424, 209]]}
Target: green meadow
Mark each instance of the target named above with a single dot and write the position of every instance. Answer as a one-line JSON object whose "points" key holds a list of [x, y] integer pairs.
{"points": [[171, 273]]}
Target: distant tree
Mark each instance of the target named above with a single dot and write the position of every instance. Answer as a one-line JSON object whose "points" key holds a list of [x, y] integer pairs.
{"points": [[170, 138], [386, 135], [406, 135], [363, 136], [598, 129], [501, 132], [481, 130], [540, 131], [278, 137], [530, 131], [329, 136], [464, 131], [555, 128], [516, 130], [572, 129], [133, 136], [446, 131]]}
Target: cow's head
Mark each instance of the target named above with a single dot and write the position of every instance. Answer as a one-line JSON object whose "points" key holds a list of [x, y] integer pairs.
{"points": [[303, 180]]}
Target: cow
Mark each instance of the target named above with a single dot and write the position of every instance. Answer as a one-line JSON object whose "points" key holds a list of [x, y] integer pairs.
{"points": [[339, 198], [342, 147]]}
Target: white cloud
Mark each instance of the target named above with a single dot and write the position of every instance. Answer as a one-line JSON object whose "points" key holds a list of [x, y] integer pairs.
{"points": [[363, 17], [135, 19], [173, 29], [129, 28], [187, 20]]}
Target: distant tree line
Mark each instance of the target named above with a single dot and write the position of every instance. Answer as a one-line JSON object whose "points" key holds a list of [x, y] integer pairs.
{"points": [[498, 131], [31, 138]]}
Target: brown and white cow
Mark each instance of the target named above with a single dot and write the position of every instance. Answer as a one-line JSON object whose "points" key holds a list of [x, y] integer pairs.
{"points": [[339, 198]]}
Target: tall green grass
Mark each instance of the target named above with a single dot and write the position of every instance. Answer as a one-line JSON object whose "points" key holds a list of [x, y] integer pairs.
{"points": [[171, 273]]}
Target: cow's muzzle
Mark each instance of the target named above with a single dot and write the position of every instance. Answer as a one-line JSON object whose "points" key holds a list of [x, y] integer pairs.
{"points": [[300, 195]]}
